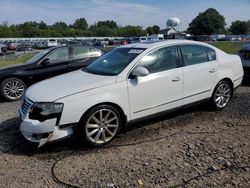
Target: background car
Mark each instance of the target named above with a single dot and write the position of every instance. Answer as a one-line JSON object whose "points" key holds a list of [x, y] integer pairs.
{"points": [[24, 46], [244, 53], [48, 63], [3, 48]]}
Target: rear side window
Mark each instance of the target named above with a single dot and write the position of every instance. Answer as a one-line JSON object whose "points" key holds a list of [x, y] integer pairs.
{"points": [[80, 52], [59, 54], [160, 60], [194, 54], [95, 52], [211, 54]]}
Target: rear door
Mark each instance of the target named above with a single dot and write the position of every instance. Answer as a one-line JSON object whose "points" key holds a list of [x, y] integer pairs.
{"points": [[199, 72]]}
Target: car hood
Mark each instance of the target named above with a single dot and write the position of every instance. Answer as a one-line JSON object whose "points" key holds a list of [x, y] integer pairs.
{"points": [[65, 85], [12, 67]]}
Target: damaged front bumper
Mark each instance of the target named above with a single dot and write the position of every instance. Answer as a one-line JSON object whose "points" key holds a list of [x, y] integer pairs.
{"points": [[42, 132]]}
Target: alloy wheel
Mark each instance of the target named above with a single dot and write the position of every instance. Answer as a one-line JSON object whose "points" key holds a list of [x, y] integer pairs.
{"points": [[13, 89], [102, 126], [222, 95]]}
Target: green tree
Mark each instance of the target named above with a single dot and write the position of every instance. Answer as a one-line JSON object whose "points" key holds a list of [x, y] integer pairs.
{"points": [[131, 31], [207, 23], [156, 29], [108, 23], [80, 23], [149, 30], [239, 27], [42, 25], [5, 31]]}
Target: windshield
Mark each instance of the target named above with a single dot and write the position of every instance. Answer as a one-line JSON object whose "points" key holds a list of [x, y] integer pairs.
{"points": [[114, 62], [37, 56]]}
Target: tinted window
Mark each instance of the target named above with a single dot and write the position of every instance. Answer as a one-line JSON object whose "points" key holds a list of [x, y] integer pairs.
{"points": [[113, 62], [59, 54], [160, 60], [211, 54], [194, 54], [80, 52]]}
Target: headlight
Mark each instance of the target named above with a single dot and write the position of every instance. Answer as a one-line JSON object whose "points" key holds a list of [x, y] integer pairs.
{"points": [[44, 111]]}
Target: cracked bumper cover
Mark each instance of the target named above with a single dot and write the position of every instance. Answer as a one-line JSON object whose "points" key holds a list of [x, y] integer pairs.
{"points": [[42, 132]]}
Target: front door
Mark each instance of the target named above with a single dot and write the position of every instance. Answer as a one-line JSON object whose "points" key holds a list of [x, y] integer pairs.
{"points": [[161, 89]]}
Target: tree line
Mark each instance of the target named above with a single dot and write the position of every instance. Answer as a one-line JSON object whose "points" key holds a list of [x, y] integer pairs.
{"points": [[205, 23], [79, 28]]}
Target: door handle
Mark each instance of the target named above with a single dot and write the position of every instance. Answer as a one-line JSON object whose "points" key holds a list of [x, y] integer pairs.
{"points": [[176, 79], [212, 70]]}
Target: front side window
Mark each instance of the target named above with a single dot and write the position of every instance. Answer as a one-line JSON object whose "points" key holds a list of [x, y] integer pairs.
{"points": [[160, 60], [194, 54], [59, 54], [37, 56], [80, 52], [113, 62]]}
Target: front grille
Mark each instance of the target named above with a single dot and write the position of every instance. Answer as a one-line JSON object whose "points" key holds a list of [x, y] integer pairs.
{"points": [[27, 103]]}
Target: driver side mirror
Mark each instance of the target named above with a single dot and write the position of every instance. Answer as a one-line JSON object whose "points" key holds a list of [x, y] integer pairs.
{"points": [[45, 61], [140, 72]]}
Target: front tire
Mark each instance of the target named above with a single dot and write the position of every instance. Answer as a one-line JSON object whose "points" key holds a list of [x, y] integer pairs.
{"points": [[12, 89], [221, 95], [100, 125]]}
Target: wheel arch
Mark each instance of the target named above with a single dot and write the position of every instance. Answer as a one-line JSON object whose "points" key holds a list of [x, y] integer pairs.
{"points": [[14, 76], [118, 107], [224, 79], [229, 80]]}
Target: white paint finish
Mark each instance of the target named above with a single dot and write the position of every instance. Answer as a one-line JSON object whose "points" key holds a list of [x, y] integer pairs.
{"points": [[152, 93], [67, 84], [76, 105], [157, 92], [198, 79]]}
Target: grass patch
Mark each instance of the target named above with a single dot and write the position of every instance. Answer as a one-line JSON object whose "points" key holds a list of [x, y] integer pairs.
{"points": [[230, 47], [18, 60]]}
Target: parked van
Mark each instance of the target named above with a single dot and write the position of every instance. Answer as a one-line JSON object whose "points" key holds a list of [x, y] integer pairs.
{"points": [[51, 43], [156, 37]]}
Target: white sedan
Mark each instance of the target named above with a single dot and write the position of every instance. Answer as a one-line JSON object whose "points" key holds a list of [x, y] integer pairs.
{"points": [[127, 84]]}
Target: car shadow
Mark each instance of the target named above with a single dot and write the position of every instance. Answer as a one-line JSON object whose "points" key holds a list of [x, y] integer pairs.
{"points": [[2, 99], [12, 142]]}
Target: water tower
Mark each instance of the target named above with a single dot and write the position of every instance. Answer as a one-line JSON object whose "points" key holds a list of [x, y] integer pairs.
{"points": [[171, 31], [173, 22]]}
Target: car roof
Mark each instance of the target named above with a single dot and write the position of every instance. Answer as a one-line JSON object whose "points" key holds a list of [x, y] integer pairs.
{"points": [[154, 44]]}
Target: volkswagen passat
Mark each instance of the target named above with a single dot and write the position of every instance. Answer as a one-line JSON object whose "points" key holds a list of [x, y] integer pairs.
{"points": [[129, 83]]}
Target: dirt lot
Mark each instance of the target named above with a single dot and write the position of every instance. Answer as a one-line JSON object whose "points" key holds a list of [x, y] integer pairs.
{"points": [[192, 148]]}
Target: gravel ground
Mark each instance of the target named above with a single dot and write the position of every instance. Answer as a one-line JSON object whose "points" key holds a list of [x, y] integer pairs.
{"points": [[194, 147]]}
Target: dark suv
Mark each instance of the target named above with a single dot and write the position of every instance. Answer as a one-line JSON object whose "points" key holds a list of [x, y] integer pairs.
{"points": [[244, 53], [48, 63]]}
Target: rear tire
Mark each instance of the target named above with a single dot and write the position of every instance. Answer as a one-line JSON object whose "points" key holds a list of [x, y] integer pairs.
{"points": [[221, 95], [12, 89], [100, 125]]}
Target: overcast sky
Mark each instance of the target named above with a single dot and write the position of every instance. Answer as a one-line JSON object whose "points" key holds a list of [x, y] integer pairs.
{"points": [[124, 12]]}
